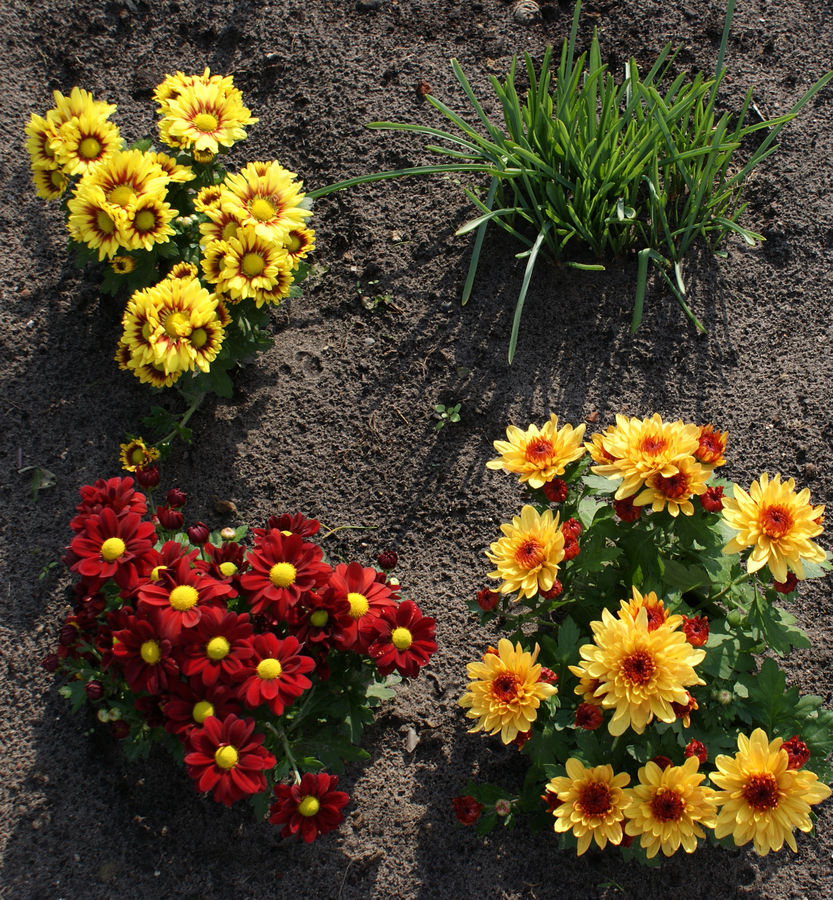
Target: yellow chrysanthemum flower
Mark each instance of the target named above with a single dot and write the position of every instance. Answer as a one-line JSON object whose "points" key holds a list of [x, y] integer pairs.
{"points": [[711, 447], [280, 288], [127, 175], [528, 555], [653, 605], [175, 172], [222, 224], [252, 264], [40, 135], [122, 265], [85, 141], [174, 85], [50, 184], [777, 523], [75, 104], [93, 221], [270, 201], [674, 492], [505, 693], [147, 222], [208, 198], [539, 456], [669, 808], [183, 270], [643, 447], [299, 243], [592, 803], [762, 800], [640, 672], [136, 454], [204, 117]]}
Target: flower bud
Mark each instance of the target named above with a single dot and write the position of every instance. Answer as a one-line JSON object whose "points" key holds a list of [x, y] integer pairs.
{"points": [[503, 808], [119, 729], [148, 476], [487, 600], [387, 559], [556, 490], [467, 809], [228, 534], [103, 716], [67, 635], [588, 716], [50, 662], [94, 690], [169, 519], [698, 749], [797, 751], [198, 533], [626, 511], [176, 498]]}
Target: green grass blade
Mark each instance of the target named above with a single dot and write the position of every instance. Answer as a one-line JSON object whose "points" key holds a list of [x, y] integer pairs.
{"points": [[519, 306], [478, 244]]}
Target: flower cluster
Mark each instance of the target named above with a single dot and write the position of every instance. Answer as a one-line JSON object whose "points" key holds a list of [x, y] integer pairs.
{"points": [[222, 651], [200, 250], [645, 586]]}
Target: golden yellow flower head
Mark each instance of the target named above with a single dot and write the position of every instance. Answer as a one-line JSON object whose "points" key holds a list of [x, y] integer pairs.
{"points": [[641, 672], [136, 454], [40, 135], [50, 184], [674, 492], [505, 692], [539, 456], [125, 176], [147, 222], [528, 555], [85, 141], [93, 221], [762, 800], [592, 803], [252, 264], [777, 523], [669, 808], [653, 605], [640, 448]]}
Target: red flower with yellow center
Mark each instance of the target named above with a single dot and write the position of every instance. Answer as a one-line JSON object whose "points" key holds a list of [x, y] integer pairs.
{"points": [[275, 674], [116, 493], [218, 647], [187, 704], [310, 808], [112, 546], [367, 597], [144, 654], [227, 757], [404, 640]]}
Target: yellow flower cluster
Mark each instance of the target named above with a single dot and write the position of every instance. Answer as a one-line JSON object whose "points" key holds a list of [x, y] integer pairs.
{"points": [[171, 328], [536, 455], [663, 464], [761, 800]]}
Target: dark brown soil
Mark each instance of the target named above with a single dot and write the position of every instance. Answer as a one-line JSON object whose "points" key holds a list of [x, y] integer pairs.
{"points": [[336, 419]]}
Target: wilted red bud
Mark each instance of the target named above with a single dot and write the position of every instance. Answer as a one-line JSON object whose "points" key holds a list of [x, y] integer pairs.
{"points": [[387, 559], [712, 500], [148, 477], [626, 511], [571, 529], [50, 662], [553, 592], [696, 630], [571, 548], [67, 635], [684, 710], [788, 586], [169, 519], [467, 809], [797, 751], [176, 498], [588, 716], [556, 490], [487, 600], [119, 729], [547, 676], [698, 749], [521, 738], [198, 533], [94, 690], [662, 761]]}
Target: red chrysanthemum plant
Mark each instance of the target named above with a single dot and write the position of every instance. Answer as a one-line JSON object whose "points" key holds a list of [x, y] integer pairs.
{"points": [[259, 666], [649, 588]]}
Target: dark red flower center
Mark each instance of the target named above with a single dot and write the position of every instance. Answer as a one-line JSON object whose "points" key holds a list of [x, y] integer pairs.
{"points": [[530, 553], [673, 487], [761, 792], [505, 687], [538, 450], [594, 799], [667, 805], [638, 667], [652, 444], [776, 521]]}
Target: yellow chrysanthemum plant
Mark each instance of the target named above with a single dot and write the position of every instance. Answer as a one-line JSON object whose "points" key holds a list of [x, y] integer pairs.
{"points": [[636, 594], [200, 253]]}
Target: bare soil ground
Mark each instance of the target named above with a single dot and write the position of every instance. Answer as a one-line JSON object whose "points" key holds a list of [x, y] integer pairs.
{"points": [[336, 421]]}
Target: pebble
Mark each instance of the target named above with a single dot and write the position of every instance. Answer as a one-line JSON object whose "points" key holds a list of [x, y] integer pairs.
{"points": [[367, 5]]}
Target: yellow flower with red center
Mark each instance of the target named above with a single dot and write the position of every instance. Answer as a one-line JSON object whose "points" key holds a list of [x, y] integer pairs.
{"points": [[592, 803], [93, 221], [536, 455], [654, 606], [175, 172], [505, 692], [136, 454], [85, 141], [761, 799], [208, 197], [777, 524], [669, 808], [40, 134], [50, 184], [641, 672], [643, 447], [527, 557], [125, 176], [75, 104], [146, 223], [711, 446], [183, 270], [299, 243], [252, 265], [674, 492]]}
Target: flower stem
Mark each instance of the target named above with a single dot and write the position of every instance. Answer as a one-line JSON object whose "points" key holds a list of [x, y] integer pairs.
{"points": [[195, 405], [280, 734], [739, 580]]}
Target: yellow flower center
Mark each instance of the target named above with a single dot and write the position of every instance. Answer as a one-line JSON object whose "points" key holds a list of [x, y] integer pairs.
{"points": [[202, 710], [183, 597], [113, 548], [226, 757], [530, 553], [594, 799], [229, 230], [198, 337], [156, 574], [638, 667], [228, 568], [667, 805], [205, 122], [137, 456], [269, 669], [319, 618], [145, 220], [150, 653], [359, 604], [146, 331], [293, 242], [538, 450], [177, 325], [309, 806], [261, 209], [776, 521], [217, 648], [282, 574], [89, 148], [401, 638], [57, 178], [253, 264], [104, 222], [121, 195]]}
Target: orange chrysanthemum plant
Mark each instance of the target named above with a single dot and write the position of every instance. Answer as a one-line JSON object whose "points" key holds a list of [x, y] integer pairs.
{"points": [[638, 591], [256, 663], [201, 253]]}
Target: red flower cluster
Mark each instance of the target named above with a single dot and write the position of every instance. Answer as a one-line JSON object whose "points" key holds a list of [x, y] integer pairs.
{"points": [[203, 637]]}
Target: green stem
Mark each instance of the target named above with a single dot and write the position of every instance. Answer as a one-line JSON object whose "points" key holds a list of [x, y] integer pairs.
{"points": [[280, 734], [739, 580], [195, 405]]}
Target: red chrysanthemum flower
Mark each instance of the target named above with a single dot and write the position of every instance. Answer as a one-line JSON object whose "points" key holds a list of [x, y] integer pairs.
{"points": [[797, 751], [571, 529], [521, 738], [467, 809], [556, 490], [683, 711], [144, 655], [283, 568], [168, 556], [555, 591], [662, 761], [112, 546], [188, 704], [588, 716], [404, 640], [275, 674], [712, 500], [788, 586], [181, 594], [698, 749], [294, 524], [696, 630], [308, 809], [116, 494], [546, 675], [226, 562], [218, 647], [626, 511], [227, 757], [321, 620], [487, 600], [368, 598]]}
